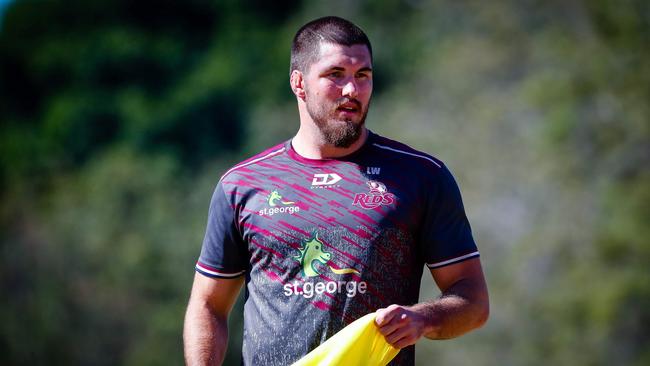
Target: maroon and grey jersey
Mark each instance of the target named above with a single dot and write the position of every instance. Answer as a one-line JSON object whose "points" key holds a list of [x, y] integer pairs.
{"points": [[324, 242]]}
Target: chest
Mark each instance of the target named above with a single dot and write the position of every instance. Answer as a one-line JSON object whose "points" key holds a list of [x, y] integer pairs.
{"points": [[303, 199], [343, 217]]}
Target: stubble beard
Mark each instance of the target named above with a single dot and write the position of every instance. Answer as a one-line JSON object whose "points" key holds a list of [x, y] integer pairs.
{"points": [[336, 132]]}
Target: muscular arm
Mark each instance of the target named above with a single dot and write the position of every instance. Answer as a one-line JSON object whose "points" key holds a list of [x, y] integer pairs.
{"points": [[205, 334], [462, 306]]}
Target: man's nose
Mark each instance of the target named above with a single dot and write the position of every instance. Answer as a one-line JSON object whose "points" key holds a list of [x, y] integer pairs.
{"points": [[350, 89]]}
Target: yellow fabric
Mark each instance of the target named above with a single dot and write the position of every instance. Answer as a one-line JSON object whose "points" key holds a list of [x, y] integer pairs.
{"points": [[360, 343]]}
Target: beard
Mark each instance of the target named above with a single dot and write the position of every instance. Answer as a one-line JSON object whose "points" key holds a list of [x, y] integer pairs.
{"points": [[335, 131]]}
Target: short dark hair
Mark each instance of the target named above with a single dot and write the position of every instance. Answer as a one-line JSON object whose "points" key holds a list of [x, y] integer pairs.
{"points": [[306, 43]]}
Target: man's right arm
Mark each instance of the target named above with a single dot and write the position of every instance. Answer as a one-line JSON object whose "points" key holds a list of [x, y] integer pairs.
{"points": [[205, 334]]}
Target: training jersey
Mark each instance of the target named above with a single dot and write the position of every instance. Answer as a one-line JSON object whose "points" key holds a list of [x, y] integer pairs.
{"points": [[323, 242]]}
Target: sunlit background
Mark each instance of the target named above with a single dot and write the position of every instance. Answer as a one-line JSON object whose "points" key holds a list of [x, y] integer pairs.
{"points": [[118, 117]]}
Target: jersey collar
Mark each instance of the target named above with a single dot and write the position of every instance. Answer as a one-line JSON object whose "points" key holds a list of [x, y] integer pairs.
{"points": [[330, 161]]}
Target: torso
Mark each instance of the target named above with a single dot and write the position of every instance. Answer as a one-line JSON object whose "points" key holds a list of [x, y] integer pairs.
{"points": [[328, 241]]}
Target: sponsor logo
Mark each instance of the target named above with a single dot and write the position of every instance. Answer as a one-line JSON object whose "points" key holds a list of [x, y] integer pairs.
{"points": [[325, 180], [377, 196], [311, 253], [309, 289], [373, 170], [278, 205], [275, 199]]}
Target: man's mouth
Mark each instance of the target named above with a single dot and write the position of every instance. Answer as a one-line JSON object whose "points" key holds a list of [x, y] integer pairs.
{"points": [[352, 106]]}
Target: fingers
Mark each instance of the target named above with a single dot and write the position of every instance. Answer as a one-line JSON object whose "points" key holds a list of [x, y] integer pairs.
{"points": [[398, 325], [386, 315], [397, 322], [405, 341]]}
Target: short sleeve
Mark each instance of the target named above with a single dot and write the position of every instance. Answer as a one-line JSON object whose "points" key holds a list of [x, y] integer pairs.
{"points": [[223, 254], [446, 235]]}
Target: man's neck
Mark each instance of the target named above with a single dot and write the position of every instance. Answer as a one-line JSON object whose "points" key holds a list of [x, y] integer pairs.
{"points": [[310, 144]]}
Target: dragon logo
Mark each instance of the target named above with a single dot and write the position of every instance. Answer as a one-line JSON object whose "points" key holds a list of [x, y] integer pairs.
{"points": [[278, 206], [312, 251], [274, 197]]}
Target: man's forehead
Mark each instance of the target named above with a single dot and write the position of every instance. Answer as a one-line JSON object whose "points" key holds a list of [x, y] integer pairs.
{"points": [[333, 55]]}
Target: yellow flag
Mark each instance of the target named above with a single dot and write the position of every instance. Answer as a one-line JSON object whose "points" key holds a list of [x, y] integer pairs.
{"points": [[360, 343]]}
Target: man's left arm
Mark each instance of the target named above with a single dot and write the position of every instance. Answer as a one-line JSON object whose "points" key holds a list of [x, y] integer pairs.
{"points": [[462, 306]]}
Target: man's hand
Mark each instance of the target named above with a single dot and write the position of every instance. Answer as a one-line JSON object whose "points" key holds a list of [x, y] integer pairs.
{"points": [[402, 325], [462, 306]]}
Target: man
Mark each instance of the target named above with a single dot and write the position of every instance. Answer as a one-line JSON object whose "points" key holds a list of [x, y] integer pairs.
{"points": [[334, 224]]}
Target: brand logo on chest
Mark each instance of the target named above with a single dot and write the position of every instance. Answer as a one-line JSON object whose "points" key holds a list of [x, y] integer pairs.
{"points": [[322, 180], [313, 258], [277, 204], [377, 196]]}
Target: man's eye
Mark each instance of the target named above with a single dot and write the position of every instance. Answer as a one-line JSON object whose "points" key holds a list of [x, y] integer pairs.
{"points": [[336, 74]]}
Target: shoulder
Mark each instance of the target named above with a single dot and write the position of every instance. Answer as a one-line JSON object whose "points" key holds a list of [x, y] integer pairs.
{"points": [[255, 160], [404, 154]]}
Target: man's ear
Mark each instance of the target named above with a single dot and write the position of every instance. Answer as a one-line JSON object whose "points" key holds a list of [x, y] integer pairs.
{"points": [[297, 84]]}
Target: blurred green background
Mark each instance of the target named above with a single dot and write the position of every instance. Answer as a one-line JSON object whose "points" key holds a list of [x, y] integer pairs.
{"points": [[117, 118]]}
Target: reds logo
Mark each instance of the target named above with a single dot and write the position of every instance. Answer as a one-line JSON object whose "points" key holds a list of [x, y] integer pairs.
{"points": [[377, 196]]}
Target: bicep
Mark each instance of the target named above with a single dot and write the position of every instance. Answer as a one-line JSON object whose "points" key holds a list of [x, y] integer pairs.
{"points": [[469, 271], [219, 294]]}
